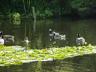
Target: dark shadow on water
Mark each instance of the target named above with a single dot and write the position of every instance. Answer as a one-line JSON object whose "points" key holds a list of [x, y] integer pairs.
{"points": [[86, 63]]}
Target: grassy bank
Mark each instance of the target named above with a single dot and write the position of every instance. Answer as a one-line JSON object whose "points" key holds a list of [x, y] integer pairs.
{"points": [[10, 55]]}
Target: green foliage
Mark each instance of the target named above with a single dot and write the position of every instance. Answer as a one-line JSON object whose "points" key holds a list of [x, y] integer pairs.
{"points": [[46, 8], [16, 18]]}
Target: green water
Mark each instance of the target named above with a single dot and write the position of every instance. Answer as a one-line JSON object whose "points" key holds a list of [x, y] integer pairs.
{"points": [[77, 64], [38, 32]]}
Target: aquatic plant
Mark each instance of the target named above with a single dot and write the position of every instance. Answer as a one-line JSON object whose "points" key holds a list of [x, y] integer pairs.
{"points": [[10, 55]]}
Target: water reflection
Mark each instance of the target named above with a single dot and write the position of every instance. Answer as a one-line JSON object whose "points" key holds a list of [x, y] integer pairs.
{"points": [[38, 33], [40, 39], [85, 63]]}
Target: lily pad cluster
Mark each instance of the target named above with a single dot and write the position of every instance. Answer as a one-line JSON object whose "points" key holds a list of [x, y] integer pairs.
{"points": [[10, 56]]}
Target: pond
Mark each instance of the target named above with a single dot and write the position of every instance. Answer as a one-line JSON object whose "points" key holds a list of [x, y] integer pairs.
{"points": [[38, 32], [85, 63], [39, 38]]}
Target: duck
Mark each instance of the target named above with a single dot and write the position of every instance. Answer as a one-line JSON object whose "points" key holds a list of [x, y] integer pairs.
{"points": [[53, 35], [80, 40], [56, 36]]}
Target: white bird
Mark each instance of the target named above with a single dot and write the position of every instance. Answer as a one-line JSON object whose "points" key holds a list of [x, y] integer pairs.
{"points": [[63, 37], [1, 39], [56, 36], [26, 40], [80, 40]]}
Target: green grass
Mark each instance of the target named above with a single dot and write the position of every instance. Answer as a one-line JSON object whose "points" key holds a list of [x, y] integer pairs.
{"points": [[11, 56]]}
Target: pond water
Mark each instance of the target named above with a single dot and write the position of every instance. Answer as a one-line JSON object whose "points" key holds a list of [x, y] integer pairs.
{"points": [[85, 63], [38, 34], [39, 38]]}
